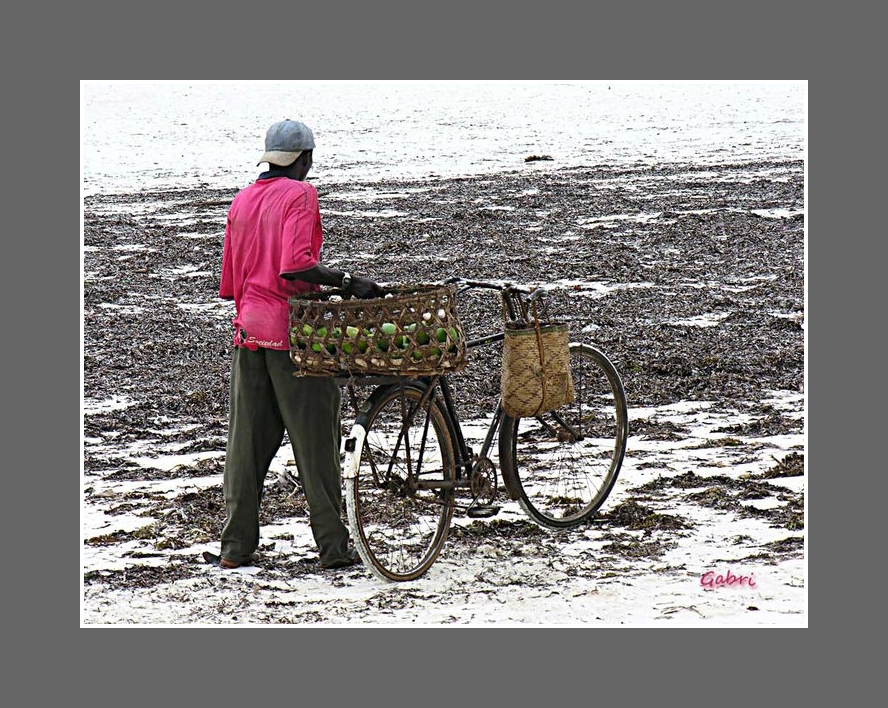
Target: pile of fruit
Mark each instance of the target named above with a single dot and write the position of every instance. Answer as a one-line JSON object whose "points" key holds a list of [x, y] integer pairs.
{"points": [[414, 340]]}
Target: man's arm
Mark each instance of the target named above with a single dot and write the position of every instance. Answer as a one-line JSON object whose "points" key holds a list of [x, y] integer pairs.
{"points": [[320, 274]]}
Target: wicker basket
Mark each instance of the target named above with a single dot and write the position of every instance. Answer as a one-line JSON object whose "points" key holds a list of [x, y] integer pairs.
{"points": [[536, 375], [412, 331]]}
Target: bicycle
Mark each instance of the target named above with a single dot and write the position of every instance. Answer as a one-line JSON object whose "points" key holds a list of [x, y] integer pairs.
{"points": [[407, 460]]}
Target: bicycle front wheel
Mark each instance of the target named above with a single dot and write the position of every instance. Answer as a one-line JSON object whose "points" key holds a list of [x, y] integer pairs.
{"points": [[567, 461], [400, 502]]}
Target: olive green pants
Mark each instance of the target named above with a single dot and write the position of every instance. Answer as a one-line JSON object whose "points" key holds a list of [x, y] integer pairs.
{"points": [[265, 400]]}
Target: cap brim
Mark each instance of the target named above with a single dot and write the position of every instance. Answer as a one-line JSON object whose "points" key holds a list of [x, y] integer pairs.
{"points": [[279, 157]]}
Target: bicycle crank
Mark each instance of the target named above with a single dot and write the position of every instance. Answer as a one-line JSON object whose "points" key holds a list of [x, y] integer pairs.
{"points": [[482, 483]]}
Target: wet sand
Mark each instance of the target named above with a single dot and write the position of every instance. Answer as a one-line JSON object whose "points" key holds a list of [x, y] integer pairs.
{"points": [[691, 280]]}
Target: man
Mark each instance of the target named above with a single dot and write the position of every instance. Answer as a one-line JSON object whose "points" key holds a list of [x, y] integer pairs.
{"points": [[272, 250]]}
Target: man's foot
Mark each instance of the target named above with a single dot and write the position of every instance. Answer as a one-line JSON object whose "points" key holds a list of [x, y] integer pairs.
{"points": [[213, 559], [351, 558]]}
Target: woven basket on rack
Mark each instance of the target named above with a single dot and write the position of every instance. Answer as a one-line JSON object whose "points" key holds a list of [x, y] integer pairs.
{"points": [[412, 331]]}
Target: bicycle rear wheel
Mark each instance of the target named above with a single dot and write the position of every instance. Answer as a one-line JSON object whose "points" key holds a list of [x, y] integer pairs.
{"points": [[567, 461], [398, 509]]}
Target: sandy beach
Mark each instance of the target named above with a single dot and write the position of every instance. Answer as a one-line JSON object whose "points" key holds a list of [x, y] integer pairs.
{"points": [[689, 277]]}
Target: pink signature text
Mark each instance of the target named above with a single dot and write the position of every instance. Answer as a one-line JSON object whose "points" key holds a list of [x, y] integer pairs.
{"points": [[710, 579]]}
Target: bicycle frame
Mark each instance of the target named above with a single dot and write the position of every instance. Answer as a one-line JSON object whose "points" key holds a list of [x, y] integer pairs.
{"points": [[420, 467], [465, 458], [515, 309]]}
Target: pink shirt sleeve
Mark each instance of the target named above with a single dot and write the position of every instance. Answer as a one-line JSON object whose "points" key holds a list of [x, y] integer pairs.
{"points": [[226, 286]]}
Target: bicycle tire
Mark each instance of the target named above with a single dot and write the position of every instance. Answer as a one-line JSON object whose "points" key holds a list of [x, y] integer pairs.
{"points": [[397, 529], [566, 462]]}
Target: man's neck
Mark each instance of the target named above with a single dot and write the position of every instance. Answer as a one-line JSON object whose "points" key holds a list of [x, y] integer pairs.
{"points": [[269, 174]]}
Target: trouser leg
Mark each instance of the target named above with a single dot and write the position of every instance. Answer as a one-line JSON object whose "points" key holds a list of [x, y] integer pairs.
{"points": [[310, 409], [255, 433]]}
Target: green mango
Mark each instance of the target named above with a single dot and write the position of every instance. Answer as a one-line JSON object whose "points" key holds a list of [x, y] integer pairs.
{"points": [[349, 347]]}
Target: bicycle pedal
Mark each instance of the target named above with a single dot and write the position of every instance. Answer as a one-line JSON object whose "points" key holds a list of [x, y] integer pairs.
{"points": [[482, 512]]}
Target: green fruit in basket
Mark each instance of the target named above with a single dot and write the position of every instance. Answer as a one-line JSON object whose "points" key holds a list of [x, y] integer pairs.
{"points": [[410, 327], [401, 341], [354, 333], [321, 332], [388, 328], [417, 355], [422, 337], [316, 347], [349, 347], [452, 333], [434, 352]]}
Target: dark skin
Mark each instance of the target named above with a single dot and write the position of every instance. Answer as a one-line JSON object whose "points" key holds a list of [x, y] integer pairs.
{"points": [[321, 274]]}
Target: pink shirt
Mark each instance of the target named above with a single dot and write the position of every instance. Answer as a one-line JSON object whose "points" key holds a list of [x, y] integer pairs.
{"points": [[273, 227]]}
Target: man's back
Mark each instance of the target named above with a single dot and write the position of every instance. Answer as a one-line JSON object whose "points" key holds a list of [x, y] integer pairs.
{"points": [[274, 226]]}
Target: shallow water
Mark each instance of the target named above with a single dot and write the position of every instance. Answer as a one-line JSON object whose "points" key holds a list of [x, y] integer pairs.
{"points": [[204, 133]]}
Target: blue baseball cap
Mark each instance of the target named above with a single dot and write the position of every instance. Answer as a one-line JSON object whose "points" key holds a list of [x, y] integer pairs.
{"points": [[285, 141]]}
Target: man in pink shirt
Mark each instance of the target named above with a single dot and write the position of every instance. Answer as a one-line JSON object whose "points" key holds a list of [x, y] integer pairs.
{"points": [[272, 250]]}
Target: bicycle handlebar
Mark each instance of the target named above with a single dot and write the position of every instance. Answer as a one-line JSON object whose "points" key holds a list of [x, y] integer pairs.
{"points": [[517, 300]]}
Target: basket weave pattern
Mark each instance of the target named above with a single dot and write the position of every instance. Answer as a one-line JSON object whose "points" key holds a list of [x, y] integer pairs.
{"points": [[412, 331], [536, 370]]}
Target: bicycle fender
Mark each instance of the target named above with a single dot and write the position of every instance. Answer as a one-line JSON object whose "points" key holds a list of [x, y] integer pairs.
{"points": [[510, 482], [352, 446]]}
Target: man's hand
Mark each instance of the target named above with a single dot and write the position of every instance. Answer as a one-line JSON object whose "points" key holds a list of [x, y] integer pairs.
{"points": [[364, 288], [322, 275]]}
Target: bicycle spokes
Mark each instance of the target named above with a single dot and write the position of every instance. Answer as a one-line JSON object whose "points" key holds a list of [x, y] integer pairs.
{"points": [[401, 501], [567, 461]]}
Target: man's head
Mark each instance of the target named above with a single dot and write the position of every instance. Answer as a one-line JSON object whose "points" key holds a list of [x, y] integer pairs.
{"points": [[286, 141]]}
